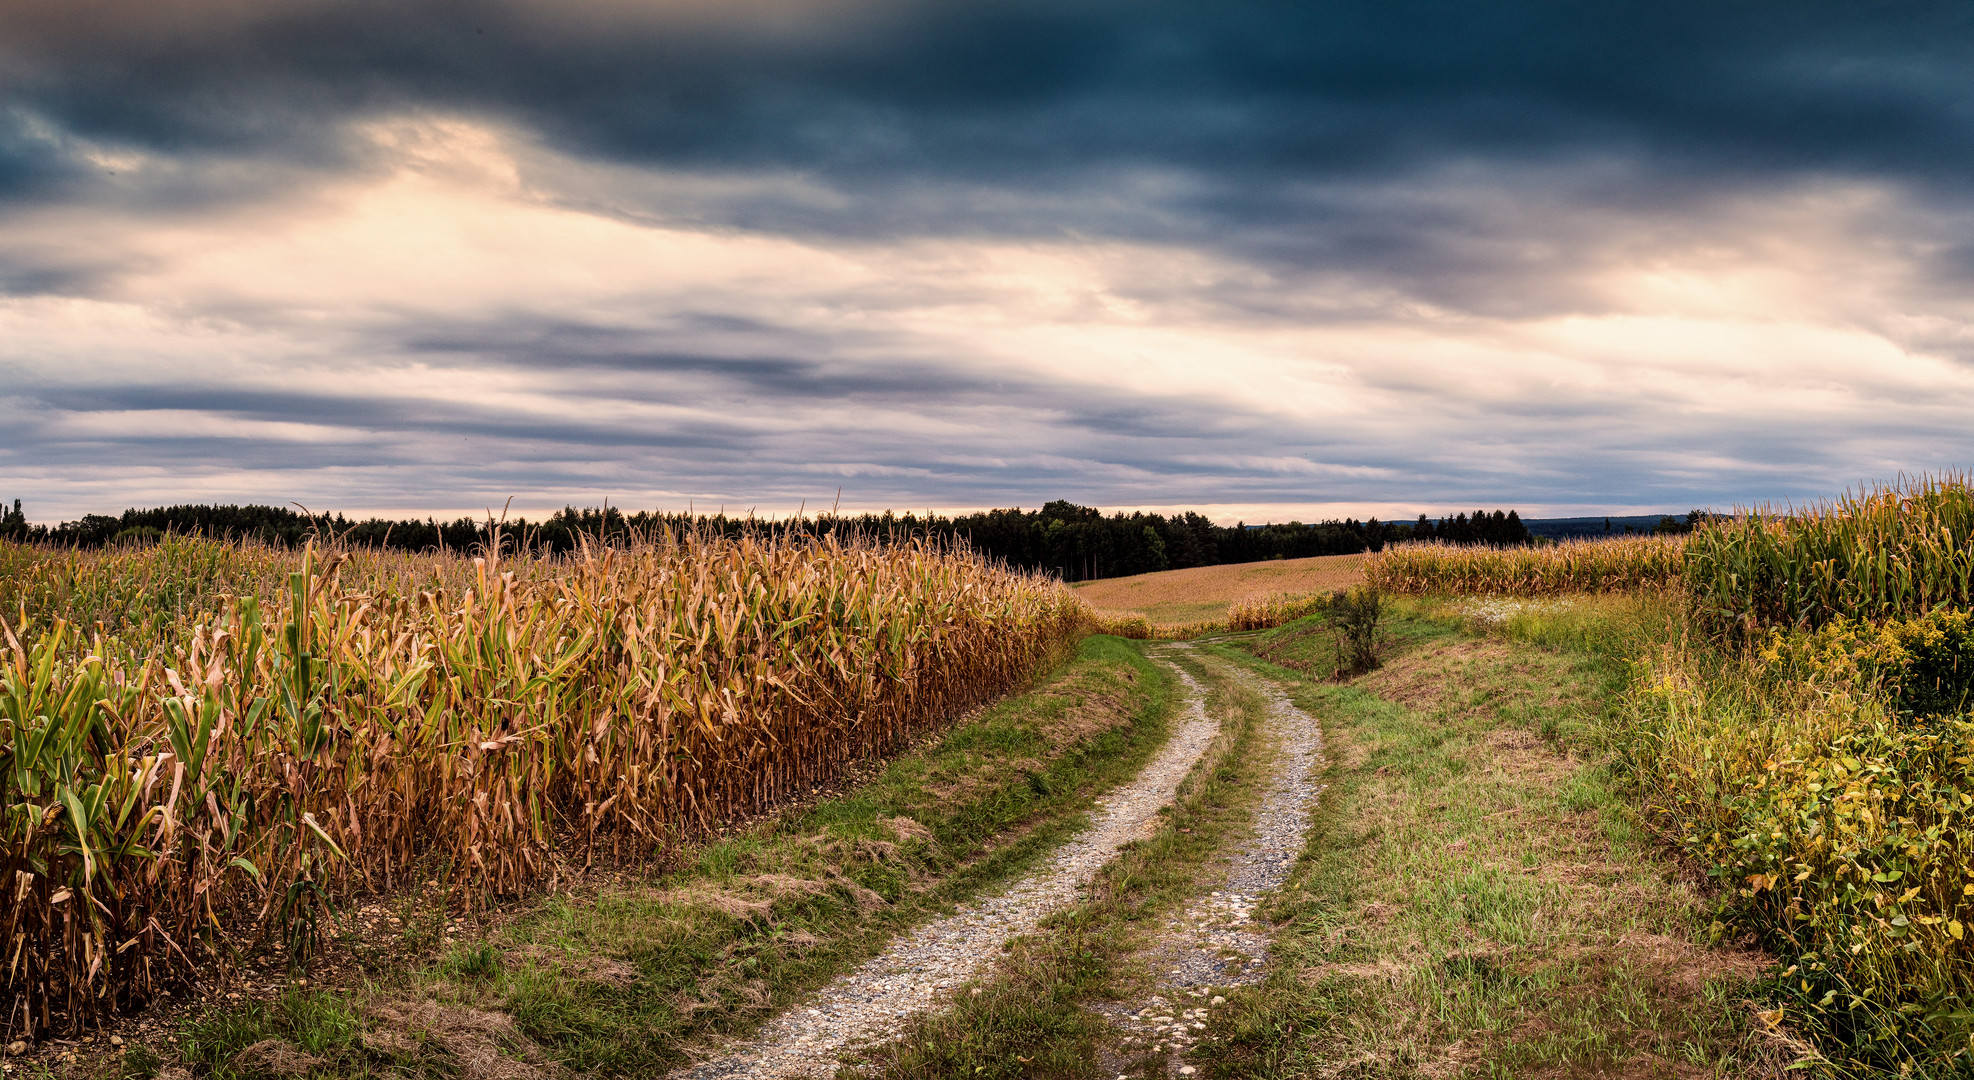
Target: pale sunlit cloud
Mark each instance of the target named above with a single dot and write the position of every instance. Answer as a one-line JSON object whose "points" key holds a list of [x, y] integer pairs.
{"points": [[709, 255]]}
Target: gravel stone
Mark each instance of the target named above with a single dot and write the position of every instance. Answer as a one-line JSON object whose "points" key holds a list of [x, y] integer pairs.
{"points": [[921, 971], [1216, 943]]}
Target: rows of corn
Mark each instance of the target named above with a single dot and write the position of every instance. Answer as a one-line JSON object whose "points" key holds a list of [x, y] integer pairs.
{"points": [[1249, 613], [1882, 552], [1808, 739], [1274, 609], [1569, 566], [201, 738]]}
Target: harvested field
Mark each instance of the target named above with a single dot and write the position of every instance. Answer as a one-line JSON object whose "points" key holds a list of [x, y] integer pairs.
{"points": [[1202, 593]]}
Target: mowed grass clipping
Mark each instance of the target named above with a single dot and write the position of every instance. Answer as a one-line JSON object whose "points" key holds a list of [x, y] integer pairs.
{"points": [[634, 979], [207, 737], [1201, 594]]}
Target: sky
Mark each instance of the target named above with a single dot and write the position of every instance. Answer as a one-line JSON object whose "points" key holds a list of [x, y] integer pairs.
{"points": [[1267, 260]]}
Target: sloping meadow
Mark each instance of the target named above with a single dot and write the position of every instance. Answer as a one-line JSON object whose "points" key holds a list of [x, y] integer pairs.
{"points": [[205, 736], [1797, 722]]}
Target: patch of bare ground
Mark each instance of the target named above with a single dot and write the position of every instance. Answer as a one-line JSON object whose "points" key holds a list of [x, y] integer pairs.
{"points": [[580, 967], [1424, 678], [1523, 757]]}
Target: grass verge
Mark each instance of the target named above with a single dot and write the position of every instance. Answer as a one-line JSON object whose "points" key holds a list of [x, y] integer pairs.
{"points": [[633, 979], [1476, 898]]}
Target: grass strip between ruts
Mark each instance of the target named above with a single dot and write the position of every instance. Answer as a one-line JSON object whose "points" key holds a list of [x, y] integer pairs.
{"points": [[630, 980], [1029, 1018]]}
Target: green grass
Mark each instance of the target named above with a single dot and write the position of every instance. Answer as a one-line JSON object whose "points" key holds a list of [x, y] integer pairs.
{"points": [[1475, 899], [624, 980], [320, 1025], [1028, 1018]]}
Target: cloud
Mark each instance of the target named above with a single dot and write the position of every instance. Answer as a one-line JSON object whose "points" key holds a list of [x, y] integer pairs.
{"points": [[1406, 255]]}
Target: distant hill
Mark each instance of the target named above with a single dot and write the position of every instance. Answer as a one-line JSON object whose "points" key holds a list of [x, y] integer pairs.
{"points": [[1564, 528]]}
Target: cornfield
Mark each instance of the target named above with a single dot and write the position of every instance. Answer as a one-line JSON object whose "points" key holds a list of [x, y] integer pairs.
{"points": [[1131, 625], [205, 737], [1629, 562], [1893, 550], [1268, 612]]}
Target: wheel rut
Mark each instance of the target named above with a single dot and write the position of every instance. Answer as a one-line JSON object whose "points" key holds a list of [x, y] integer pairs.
{"points": [[1215, 943], [919, 972]]}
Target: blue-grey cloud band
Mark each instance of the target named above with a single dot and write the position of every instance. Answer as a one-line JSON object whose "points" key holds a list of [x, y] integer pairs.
{"points": [[1026, 251]]}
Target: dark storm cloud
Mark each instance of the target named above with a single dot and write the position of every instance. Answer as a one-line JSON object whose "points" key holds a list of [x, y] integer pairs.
{"points": [[1045, 96], [1444, 167], [1477, 157]]}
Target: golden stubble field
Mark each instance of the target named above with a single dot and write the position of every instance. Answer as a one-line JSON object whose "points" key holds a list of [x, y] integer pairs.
{"points": [[1202, 593]]}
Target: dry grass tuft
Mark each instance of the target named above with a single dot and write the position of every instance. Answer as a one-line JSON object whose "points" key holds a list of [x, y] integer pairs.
{"points": [[483, 1045], [580, 967], [275, 1057]]}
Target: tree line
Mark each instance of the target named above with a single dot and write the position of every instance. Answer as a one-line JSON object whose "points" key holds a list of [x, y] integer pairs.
{"points": [[1074, 542]]}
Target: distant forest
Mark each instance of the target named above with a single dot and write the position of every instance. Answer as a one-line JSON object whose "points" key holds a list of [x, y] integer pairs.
{"points": [[1071, 541]]}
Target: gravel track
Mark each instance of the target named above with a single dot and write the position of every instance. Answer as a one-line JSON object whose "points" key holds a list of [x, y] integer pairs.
{"points": [[1216, 943], [918, 972]]}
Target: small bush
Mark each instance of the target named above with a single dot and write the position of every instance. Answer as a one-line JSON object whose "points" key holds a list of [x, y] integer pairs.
{"points": [[1932, 663], [1921, 668], [1354, 615]]}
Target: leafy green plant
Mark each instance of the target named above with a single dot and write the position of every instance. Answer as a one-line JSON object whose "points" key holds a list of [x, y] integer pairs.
{"points": [[1353, 616], [1895, 550], [1826, 783]]}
